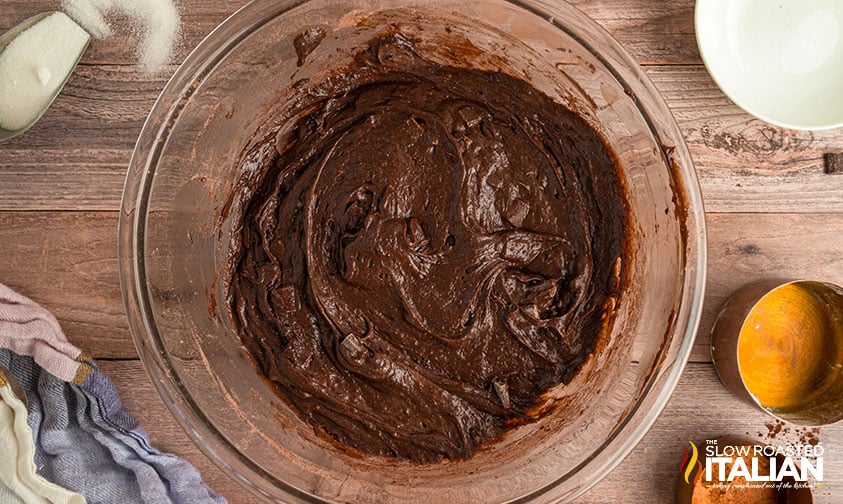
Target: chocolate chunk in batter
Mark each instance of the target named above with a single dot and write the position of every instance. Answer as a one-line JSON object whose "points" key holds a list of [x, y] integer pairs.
{"points": [[306, 41]]}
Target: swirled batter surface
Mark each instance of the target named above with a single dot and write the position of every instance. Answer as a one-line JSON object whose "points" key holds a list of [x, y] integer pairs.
{"points": [[424, 251]]}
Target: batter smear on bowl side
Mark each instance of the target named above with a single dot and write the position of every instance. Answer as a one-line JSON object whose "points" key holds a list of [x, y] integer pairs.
{"points": [[423, 251]]}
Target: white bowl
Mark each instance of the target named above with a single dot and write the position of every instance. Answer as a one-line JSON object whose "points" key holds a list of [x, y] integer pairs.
{"points": [[780, 60]]}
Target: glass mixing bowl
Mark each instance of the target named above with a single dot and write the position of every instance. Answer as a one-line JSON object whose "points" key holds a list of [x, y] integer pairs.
{"points": [[174, 246]]}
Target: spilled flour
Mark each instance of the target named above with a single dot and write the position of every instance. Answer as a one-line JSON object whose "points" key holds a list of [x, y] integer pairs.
{"points": [[156, 22]]}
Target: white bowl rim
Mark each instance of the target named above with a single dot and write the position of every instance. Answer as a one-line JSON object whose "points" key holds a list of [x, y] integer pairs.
{"points": [[721, 84]]}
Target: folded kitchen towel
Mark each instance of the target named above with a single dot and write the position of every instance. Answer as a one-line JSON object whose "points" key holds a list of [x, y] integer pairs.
{"points": [[28, 329], [19, 483], [84, 440]]}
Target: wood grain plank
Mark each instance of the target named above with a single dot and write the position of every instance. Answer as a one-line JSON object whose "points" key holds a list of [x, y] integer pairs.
{"points": [[77, 155], [108, 103], [68, 262], [653, 32], [700, 408], [743, 164]]}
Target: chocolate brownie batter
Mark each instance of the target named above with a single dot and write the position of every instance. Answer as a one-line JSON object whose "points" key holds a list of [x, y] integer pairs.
{"points": [[423, 251]]}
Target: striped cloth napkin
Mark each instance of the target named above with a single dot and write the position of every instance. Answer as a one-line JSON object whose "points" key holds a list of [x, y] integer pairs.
{"points": [[64, 436]]}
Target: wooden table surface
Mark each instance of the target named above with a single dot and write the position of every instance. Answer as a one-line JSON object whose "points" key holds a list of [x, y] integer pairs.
{"points": [[772, 211]]}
